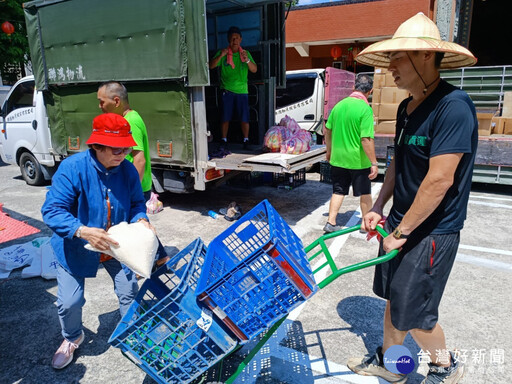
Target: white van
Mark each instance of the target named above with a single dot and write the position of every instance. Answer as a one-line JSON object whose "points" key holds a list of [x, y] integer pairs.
{"points": [[310, 94], [25, 137]]}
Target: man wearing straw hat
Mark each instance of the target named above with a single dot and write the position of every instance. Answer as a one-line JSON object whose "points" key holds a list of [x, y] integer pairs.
{"points": [[429, 180]]}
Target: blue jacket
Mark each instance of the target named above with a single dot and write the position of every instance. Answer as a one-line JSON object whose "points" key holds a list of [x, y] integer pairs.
{"points": [[78, 197]]}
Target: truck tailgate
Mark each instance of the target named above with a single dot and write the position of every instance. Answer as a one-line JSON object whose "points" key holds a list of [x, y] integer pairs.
{"points": [[270, 162]]}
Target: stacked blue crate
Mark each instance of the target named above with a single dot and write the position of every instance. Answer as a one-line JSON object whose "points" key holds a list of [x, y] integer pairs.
{"points": [[255, 273], [165, 332]]}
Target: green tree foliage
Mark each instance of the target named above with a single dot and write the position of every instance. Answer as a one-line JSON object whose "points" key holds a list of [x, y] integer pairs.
{"points": [[14, 52]]}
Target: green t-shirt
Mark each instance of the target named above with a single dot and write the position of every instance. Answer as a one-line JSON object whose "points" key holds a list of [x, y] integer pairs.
{"points": [[349, 121], [234, 79], [140, 135]]}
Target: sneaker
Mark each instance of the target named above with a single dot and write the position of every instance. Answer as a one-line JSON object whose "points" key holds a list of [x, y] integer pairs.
{"points": [[329, 228], [246, 145], [64, 354], [373, 366], [444, 375]]}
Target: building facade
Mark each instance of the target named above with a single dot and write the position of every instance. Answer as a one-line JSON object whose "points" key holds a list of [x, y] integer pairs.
{"points": [[333, 32]]}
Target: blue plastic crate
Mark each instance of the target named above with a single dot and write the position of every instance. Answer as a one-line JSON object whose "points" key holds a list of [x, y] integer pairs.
{"points": [[255, 272], [160, 334]]}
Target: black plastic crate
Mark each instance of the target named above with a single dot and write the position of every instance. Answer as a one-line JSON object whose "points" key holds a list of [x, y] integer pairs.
{"points": [[247, 180], [291, 180], [325, 172]]}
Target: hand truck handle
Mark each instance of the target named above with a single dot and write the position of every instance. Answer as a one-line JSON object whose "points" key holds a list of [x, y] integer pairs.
{"points": [[336, 272]]}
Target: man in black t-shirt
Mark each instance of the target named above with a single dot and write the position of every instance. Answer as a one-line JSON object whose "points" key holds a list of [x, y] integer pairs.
{"points": [[429, 180]]}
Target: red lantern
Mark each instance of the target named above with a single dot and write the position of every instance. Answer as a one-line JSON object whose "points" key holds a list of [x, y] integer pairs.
{"points": [[335, 52], [7, 28]]}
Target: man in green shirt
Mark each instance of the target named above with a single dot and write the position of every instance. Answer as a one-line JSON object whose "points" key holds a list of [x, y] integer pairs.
{"points": [[351, 150], [235, 63], [113, 98]]}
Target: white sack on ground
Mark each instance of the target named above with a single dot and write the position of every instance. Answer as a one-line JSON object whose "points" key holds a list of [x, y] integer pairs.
{"points": [[17, 256], [137, 247], [44, 263]]}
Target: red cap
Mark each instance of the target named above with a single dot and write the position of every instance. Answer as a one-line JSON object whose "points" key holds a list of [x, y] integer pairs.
{"points": [[111, 130]]}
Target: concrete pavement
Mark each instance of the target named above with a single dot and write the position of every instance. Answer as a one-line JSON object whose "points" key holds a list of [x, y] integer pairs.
{"points": [[313, 345]]}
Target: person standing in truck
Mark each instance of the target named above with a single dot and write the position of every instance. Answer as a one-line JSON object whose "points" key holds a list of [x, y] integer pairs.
{"points": [[350, 150], [113, 98], [90, 191], [235, 64], [430, 180]]}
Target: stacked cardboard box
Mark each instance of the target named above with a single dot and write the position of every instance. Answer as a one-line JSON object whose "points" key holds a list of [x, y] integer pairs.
{"points": [[507, 105], [385, 100], [503, 124], [486, 123], [491, 123]]}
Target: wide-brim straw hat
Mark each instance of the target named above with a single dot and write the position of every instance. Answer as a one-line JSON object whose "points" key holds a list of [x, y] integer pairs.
{"points": [[418, 33]]}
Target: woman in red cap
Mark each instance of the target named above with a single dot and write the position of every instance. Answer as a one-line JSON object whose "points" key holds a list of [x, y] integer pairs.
{"points": [[91, 191]]}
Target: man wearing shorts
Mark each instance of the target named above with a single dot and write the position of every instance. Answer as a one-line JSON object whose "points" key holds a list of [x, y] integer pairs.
{"points": [[351, 150], [235, 63], [429, 180]]}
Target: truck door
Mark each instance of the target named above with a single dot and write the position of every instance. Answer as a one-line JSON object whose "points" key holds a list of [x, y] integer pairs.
{"points": [[18, 114], [302, 99], [338, 85]]}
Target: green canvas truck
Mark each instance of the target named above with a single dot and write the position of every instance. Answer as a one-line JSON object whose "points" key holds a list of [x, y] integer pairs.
{"points": [[160, 50]]}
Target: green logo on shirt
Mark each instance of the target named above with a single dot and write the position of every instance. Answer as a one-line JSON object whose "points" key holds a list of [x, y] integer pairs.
{"points": [[420, 141]]}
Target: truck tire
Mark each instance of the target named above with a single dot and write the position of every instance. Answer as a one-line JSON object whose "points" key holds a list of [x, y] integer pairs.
{"points": [[31, 169]]}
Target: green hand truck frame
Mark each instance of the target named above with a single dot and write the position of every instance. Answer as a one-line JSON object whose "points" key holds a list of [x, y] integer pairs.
{"points": [[335, 273]]}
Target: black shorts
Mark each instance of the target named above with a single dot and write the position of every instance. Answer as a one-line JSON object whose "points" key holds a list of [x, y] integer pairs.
{"points": [[343, 178], [415, 279], [235, 105]]}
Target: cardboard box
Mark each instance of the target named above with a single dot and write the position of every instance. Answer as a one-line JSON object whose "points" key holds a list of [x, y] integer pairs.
{"points": [[507, 126], [484, 123], [503, 125], [386, 126], [507, 105], [379, 79], [387, 111], [381, 70], [375, 108], [376, 95], [392, 95], [390, 80]]}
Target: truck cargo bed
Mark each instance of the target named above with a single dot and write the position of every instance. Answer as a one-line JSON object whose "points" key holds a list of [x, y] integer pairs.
{"points": [[269, 162]]}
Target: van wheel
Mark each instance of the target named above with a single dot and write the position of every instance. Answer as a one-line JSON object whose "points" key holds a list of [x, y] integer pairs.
{"points": [[31, 169]]}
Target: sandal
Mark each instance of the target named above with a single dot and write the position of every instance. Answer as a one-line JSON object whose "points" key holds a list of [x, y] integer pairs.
{"points": [[233, 213]]}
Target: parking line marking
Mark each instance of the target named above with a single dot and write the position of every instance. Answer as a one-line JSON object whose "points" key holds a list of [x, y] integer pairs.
{"points": [[495, 205], [471, 196], [486, 250], [481, 262]]}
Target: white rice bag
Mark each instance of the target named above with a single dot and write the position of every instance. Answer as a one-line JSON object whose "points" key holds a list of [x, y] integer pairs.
{"points": [[137, 247]]}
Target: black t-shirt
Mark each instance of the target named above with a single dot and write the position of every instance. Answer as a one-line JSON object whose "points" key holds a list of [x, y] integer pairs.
{"points": [[445, 122]]}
